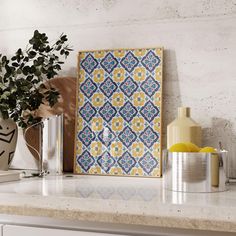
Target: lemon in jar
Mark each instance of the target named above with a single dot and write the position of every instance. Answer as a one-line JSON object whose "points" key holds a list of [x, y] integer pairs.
{"points": [[192, 147], [179, 147], [208, 149]]}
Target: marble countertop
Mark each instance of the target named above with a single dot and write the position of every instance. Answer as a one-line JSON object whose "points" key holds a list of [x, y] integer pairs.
{"points": [[139, 201]]}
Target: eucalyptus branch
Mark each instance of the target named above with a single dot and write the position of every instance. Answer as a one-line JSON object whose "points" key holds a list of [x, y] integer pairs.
{"points": [[23, 78]]}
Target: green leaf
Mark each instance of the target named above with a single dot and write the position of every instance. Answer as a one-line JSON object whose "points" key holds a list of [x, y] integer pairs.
{"points": [[48, 49], [18, 59], [37, 72], [26, 70], [4, 59], [43, 70], [19, 52], [32, 54], [32, 69], [36, 33], [57, 67], [26, 59], [41, 60], [18, 71], [64, 38], [15, 64], [8, 69], [58, 48], [29, 77], [31, 41], [22, 124]]}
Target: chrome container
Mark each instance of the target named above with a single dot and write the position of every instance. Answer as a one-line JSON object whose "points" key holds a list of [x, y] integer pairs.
{"points": [[52, 145], [195, 171], [47, 145]]}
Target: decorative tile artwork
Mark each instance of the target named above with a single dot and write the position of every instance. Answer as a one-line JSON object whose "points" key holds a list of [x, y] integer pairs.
{"points": [[119, 112]]}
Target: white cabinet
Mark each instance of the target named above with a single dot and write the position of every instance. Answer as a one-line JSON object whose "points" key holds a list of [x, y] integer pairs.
{"points": [[13, 230], [1, 230]]}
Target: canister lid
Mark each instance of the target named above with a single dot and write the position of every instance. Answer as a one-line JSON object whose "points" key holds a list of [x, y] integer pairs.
{"points": [[183, 111]]}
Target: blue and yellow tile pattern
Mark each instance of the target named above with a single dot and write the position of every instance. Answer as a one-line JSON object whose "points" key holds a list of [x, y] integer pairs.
{"points": [[119, 112]]}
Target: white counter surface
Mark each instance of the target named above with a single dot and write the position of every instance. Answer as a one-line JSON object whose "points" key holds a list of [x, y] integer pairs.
{"points": [[139, 201]]}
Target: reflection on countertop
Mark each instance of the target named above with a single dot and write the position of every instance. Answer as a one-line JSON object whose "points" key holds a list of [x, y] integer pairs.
{"points": [[132, 200], [94, 187], [114, 188]]}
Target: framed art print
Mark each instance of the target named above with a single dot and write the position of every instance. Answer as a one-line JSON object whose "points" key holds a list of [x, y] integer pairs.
{"points": [[119, 108]]}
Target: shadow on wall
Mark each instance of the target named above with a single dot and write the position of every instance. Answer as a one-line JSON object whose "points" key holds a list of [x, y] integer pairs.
{"points": [[222, 130], [71, 72], [171, 91]]}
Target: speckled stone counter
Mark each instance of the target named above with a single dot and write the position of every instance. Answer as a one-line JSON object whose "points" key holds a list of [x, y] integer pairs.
{"points": [[139, 201]]}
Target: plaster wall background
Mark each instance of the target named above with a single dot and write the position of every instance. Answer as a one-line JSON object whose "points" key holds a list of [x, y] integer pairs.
{"points": [[199, 37]]}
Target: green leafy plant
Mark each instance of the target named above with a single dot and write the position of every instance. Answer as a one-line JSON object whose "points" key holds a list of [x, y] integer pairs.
{"points": [[25, 78]]}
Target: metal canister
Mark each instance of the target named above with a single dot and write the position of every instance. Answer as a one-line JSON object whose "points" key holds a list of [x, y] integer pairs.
{"points": [[195, 171]]}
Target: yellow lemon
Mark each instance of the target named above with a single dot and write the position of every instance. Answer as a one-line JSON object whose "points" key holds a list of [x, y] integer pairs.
{"points": [[179, 147], [192, 147], [208, 149]]}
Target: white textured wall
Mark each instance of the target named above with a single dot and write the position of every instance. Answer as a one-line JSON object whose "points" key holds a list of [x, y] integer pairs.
{"points": [[199, 37]]}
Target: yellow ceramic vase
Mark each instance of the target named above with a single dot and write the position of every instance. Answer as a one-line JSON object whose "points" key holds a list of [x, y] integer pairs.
{"points": [[184, 129]]}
